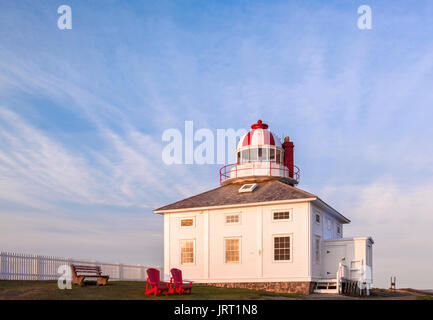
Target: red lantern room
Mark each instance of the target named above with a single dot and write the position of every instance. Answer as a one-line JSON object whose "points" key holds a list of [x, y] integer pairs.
{"points": [[261, 156]]}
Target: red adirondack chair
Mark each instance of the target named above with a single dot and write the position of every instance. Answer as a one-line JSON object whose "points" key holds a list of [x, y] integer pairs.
{"points": [[177, 284], [153, 283]]}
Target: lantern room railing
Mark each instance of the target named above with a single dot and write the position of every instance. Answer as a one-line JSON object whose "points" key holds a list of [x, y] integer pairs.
{"points": [[232, 171]]}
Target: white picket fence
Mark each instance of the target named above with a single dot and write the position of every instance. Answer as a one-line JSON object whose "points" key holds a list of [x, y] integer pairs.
{"points": [[19, 266]]}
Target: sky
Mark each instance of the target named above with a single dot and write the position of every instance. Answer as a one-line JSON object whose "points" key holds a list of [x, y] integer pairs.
{"points": [[82, 113]]}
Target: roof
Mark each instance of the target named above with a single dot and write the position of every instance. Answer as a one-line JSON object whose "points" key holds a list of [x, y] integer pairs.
{"points": [[271, 190], [266, 191], [258, 136]]}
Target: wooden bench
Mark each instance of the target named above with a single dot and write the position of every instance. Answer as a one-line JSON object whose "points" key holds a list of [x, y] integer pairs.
{"points": [[79, 273]]}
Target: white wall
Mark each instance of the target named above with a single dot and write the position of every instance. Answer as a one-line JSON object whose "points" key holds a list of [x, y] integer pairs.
{"points": [[256, 230], [321, 231], [356, 251], [175, 234]]}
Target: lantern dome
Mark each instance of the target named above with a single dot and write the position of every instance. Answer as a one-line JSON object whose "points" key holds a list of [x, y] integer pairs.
{"points": [[260, 156], [258, 136]]}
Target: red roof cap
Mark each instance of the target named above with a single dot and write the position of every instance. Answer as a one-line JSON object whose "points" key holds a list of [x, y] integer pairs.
{"points": [[259, 125]]}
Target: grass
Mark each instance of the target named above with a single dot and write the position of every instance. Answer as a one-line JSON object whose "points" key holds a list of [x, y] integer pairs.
{"points": [[424, 298], [120, 290]]}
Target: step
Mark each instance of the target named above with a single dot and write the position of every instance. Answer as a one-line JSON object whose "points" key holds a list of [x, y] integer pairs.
{"points": [[327, 280], [326, 286], [325, 291]]}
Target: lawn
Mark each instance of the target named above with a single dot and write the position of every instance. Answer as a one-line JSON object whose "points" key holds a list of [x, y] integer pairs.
{"points": [[125, 290]]}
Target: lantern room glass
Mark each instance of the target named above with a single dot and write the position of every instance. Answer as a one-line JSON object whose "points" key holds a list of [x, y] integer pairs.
{"points": [[271, 154]]}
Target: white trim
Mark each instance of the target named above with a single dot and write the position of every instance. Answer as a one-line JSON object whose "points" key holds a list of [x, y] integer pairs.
{"points": [[241, 205], [166, 247], [255, 280], [180, 252], [240, 249], [351, 239], [206, 255], [290, 235], [308, 256]]}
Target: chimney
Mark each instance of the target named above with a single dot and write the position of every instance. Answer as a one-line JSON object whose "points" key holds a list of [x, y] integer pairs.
{"points": [[288, 147]]}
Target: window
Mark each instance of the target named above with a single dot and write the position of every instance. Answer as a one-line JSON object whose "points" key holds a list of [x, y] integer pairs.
{"points": [[233, 248], [189, 222], [338, 229], [253, 154], [263, 154], [232, 219], [329, 224], [279, 156], [244, 156], [281, 215], [187, 251], [282, 248], [272, 154], [248, 187], [317, 218], [317, 250]]}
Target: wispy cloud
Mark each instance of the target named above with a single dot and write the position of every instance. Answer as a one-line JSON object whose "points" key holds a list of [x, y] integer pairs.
{"points": [[82, 113]]}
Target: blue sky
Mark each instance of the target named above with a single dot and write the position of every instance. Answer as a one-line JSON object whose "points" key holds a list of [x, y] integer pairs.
{"points": [[82, 113]]}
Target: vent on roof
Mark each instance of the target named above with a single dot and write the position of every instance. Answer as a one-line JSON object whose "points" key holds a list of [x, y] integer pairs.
{"points": [[248, 187]]}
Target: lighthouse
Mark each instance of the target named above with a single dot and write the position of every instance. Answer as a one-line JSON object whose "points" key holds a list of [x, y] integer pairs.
{"points": [[261, 156], [258, 230]]}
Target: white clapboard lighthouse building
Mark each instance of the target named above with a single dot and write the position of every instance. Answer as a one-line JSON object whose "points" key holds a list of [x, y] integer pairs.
{"points": [[258, 230]]}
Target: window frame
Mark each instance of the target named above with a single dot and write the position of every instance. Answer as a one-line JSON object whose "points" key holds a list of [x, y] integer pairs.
{"points": [[245, 152], [290, 235], [253, 152], [272, 152], [239, 238], [193, 252], [282, 210], [232, 214], [187, 218], [317, 214]]}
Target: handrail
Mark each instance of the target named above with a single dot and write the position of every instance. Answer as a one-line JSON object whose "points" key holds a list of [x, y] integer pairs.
{"points": [[227, 170], [342, 273]]}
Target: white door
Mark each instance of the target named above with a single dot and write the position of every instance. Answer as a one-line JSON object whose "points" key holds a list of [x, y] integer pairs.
{"points": [[332, 257]]}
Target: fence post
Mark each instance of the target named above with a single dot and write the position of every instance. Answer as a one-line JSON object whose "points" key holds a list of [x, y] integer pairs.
{"points": [[143, 273], [39, 268], [120, 271], [2, 266]]}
